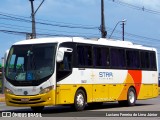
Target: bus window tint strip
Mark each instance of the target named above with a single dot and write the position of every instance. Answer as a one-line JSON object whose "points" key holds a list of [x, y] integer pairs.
{"points": [[115, 58]]}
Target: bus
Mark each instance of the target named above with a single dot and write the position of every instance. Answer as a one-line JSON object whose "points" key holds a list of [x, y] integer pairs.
{"points": [[78, 72]]}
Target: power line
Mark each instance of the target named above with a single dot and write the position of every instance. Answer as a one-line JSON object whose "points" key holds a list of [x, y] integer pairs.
{"points": [[26, 19], [109, 29], [142, 8], [50, 21], [19, 27], [48, 24], [40, 34], [135, 41], [134, 35], [143, 39]]}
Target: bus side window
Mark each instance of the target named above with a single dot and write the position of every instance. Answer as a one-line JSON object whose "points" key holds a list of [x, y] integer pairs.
{"points": [[117, 58], [101, 57], [84, 56], [144, 60], [133, 61], [152, 61]]}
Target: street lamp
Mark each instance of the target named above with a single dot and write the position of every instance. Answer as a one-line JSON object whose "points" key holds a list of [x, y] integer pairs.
{"points": [[123, 23]]}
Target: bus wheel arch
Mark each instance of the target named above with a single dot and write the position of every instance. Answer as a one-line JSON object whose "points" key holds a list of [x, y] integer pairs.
{"points": [[80, 99], [82, 88], [131, 97]]}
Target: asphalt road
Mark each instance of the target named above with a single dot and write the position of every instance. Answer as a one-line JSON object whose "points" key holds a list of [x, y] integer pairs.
{"points": [[98, 112]]}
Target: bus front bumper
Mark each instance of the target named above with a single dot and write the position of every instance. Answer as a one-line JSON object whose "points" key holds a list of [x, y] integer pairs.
{"points": [[46, 99]]}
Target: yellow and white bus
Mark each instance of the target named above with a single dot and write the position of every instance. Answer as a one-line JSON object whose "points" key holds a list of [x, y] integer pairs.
{"points": [[77, 71]]}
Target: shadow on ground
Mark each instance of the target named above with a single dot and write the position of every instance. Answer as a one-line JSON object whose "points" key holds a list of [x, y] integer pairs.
{"points": [[67, 111]]}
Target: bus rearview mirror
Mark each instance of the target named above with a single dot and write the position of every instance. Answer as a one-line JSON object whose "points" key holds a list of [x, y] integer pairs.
{"points": [[60, 53]]}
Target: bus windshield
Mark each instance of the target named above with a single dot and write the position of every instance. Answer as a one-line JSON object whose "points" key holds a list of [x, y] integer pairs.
{"points": [[30, 62]]}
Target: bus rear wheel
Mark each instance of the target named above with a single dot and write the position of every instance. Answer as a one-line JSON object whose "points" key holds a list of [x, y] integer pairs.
{"points": [[79, 100], [37, 109], [131, 98]]}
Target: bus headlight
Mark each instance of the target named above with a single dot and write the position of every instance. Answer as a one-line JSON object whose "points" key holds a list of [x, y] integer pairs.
{"points": [[8, 91], [46, 90]]}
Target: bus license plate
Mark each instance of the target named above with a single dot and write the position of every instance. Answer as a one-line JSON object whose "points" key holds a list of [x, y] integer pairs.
{"points": [[25, 99]]}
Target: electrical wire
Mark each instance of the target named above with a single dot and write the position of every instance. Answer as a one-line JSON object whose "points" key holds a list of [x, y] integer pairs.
{"points": [[141, 8], [9, 17], [26, 19]]}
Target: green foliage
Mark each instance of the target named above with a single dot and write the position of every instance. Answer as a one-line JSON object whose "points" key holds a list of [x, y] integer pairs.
{"points": [[0, 83], [0, 80]]}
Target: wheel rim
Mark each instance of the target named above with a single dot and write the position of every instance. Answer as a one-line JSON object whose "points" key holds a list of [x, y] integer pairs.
{"points": [[131, 97], [80, 100]]}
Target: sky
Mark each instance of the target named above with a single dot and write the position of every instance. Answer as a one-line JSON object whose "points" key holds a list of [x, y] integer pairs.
{"points": [[60, 17]]}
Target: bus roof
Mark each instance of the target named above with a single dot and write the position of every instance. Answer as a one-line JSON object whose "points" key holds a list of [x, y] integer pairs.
{"points": [[101, 41]]}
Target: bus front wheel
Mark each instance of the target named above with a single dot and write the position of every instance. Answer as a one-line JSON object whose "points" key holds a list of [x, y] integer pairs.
{"points": [[79, 100]]}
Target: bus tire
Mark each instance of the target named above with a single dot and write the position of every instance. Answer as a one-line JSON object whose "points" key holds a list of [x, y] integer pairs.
{"points": [[79, 100], [131, 98], [37, 109]]}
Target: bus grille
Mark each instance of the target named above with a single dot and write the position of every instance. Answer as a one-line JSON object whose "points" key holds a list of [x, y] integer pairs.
{"points": [[26, 102], [35, 99], [30, 101]]}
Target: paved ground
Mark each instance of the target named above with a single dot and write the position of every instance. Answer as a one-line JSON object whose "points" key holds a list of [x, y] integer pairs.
{"points": [[60, 112], [91, 113]]}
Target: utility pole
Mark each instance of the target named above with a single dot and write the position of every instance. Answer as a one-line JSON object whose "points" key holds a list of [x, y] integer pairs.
{"points": [[103, 31], [2, 75], [123, 23], [33, 35]]}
